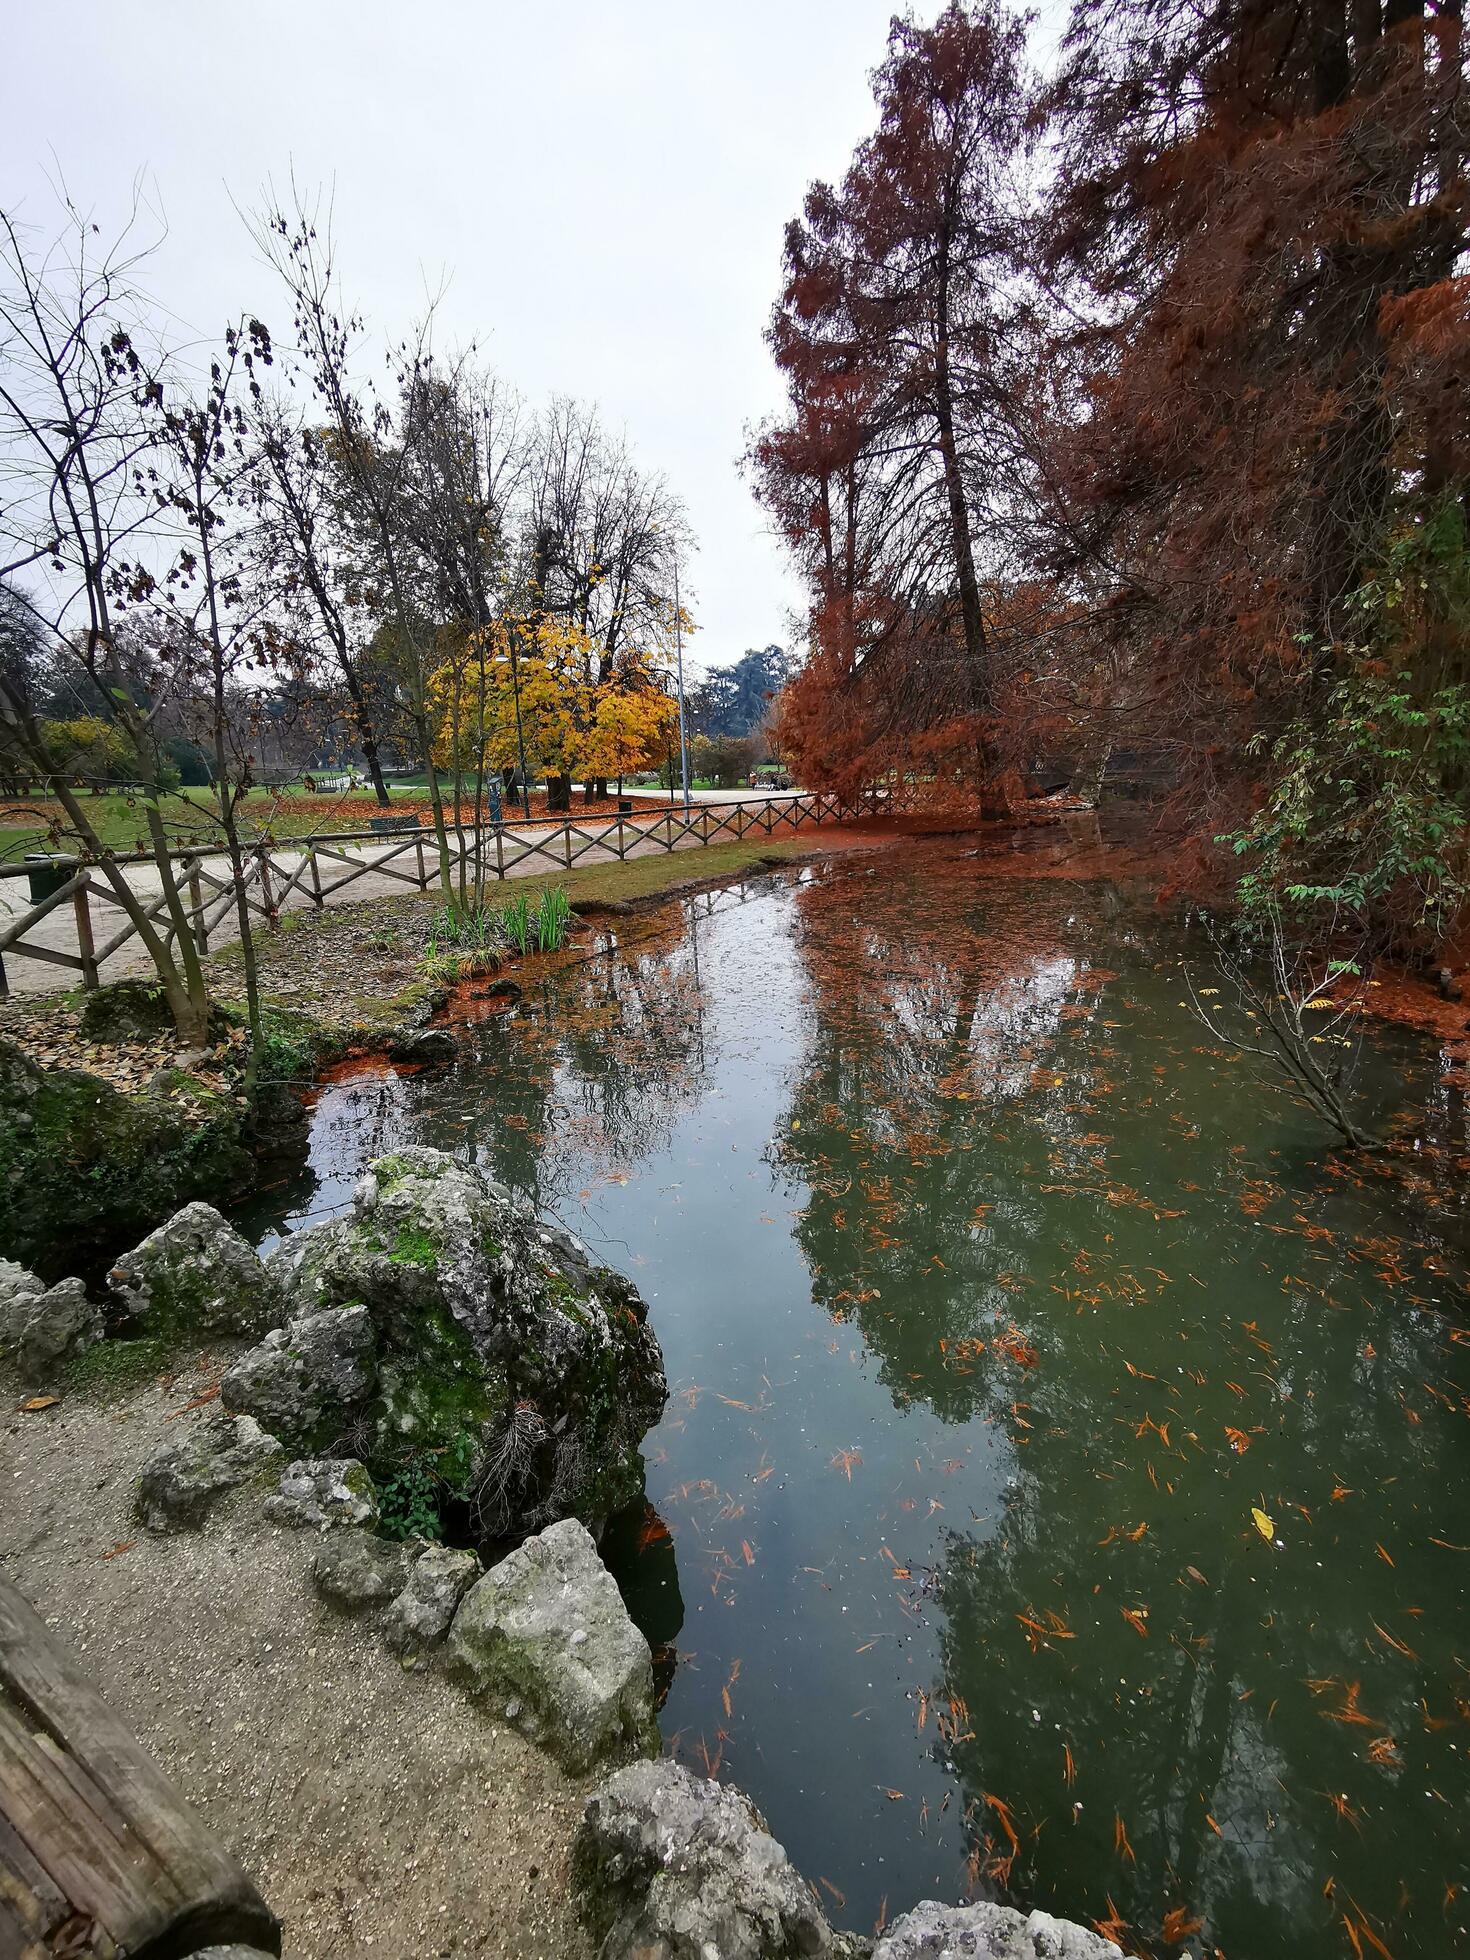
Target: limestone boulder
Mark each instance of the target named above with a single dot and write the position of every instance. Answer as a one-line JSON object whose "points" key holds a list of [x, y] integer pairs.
{"points": [[545, 1640], [989, 1932], [420, 1616], [195, 1274], [355, 1570], [323, 1493], [185, 1476], [501, 1368], [307, 1380], [672, 1866], [42, 1327]]}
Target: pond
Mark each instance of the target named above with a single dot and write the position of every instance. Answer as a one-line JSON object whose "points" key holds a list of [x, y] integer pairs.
{"points": [[1061, 1495]]}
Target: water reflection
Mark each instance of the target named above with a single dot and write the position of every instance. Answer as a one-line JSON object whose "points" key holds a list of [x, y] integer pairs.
{"points": [[994, 1302]]}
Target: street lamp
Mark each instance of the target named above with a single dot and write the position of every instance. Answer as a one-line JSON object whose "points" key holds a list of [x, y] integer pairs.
{"points": [[679, 656]]}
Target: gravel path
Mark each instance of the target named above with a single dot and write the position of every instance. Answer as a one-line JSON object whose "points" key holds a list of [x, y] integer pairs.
{"points": [[643, 835], [379, 1811]]}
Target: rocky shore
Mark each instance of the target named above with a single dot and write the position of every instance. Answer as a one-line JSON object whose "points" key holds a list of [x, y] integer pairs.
{"points": [[420, 1416]]}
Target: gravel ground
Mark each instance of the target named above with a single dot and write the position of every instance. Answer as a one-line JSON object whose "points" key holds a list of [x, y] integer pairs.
{"points": [[379, 1812]]}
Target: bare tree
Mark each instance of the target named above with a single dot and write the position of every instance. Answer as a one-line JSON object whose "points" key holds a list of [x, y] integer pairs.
{"points": [[370, 451], [301, 546], [210, 443], [79, 391]]}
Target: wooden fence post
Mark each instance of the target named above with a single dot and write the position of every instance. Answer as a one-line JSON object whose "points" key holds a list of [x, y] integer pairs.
{"points": [[566, 838], [196, 907], [267, 896], [418, 846], [316, 877], [86, 946], [500, 853]]}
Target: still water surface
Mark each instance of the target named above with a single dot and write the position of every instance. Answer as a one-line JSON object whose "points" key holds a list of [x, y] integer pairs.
{"points": [[996, 1296]]}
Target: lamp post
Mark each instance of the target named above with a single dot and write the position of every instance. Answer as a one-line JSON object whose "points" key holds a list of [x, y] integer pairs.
{"points": [[679, 656], [515, 685]]}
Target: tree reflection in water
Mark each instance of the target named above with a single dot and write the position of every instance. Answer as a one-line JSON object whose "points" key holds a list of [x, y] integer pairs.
{"points": [[994, 1301]]}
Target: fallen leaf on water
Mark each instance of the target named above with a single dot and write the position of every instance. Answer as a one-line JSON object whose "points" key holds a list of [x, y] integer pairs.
{"points": [[1178, 1925], [34, 1402], [1265, 1524], [846, 1461], [1137, 1618]]}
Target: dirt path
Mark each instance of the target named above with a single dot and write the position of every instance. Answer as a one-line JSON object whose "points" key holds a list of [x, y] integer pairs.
{"points": [[379, 1811]]}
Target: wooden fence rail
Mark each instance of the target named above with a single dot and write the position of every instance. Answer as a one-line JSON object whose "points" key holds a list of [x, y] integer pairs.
{"points": [[318, 868]]}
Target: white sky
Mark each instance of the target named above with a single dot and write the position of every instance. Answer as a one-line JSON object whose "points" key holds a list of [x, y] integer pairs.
{"points": [[604, 185]]}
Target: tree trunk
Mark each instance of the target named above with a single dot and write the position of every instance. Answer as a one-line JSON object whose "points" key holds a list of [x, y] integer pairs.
{"points": [[369, 742], [558, 795]]}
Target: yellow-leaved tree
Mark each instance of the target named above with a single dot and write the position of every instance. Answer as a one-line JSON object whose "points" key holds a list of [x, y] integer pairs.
{"points": [[532, 688], [632, 721]]}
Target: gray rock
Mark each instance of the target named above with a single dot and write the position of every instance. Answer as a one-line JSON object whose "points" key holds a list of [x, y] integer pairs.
{"points": [[420, 1616], [16, 1284], [195, 1274], [320, 1492], [185, 1475], [355, 1570], [306, 1379], [988, 1932], [43, 1326], [546, 1633], [425, 1045], [524, 1375], [671, 1866]]}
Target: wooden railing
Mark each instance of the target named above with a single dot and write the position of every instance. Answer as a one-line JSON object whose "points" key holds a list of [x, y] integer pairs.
{"points": [[313, 870]]}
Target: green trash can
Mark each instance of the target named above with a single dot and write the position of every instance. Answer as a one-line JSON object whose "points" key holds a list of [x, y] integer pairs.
{"points": [[50, 870]]}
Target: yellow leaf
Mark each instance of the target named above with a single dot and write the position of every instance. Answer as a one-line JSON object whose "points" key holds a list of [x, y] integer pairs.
{"points": [[1264, 1524]]}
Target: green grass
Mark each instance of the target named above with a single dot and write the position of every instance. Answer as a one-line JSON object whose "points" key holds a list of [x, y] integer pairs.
{"points": [[189, 818]]}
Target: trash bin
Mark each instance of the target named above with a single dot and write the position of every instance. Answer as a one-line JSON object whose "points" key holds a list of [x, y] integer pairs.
{"points": [[49, 872], [625, 806]]}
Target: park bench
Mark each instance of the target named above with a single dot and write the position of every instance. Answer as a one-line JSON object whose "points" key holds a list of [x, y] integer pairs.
{"points": [[383, 826], [100, 1857]]}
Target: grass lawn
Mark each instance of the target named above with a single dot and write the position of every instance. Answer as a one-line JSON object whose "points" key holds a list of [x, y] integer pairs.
{"points": [[117, 817]]}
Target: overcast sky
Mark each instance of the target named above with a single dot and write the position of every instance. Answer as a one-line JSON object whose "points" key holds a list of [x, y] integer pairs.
{"points": [[605, 187]]}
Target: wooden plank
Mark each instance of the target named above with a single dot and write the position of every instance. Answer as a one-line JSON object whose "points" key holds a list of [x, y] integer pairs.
{"points": [[47, 953], [32, 1905], [83, 1845], [110, 1829], [36, 913]]}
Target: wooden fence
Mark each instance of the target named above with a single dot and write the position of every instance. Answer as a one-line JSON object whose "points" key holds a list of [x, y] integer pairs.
{"points": [[313, 870]]}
